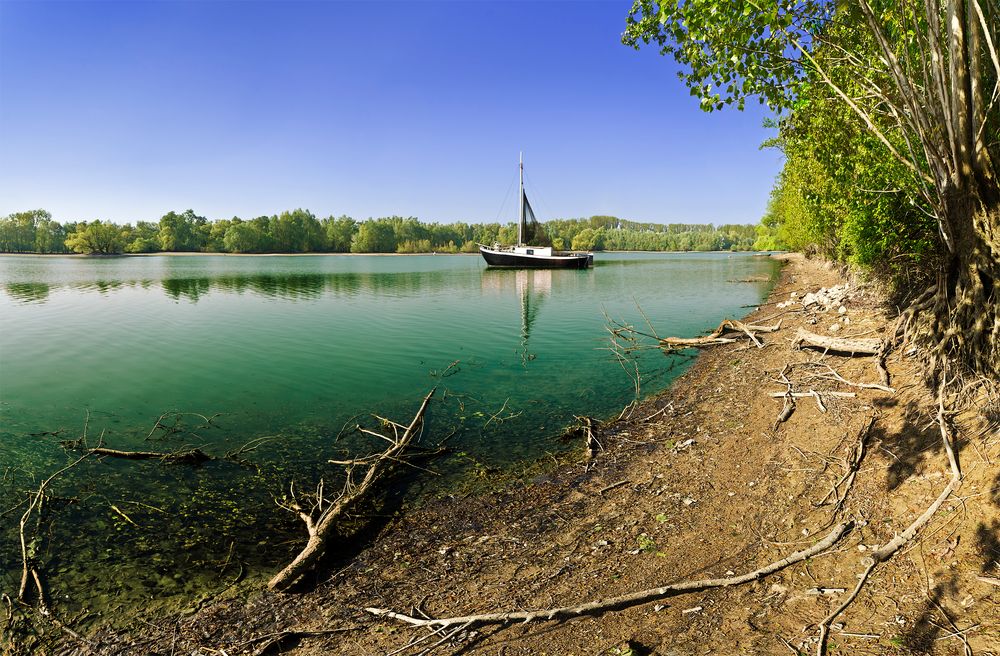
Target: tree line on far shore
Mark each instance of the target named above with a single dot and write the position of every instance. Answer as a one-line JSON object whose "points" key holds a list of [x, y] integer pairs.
{"points": [[300, 231]]}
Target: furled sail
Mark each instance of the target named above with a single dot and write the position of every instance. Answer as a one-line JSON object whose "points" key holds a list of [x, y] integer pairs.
{"points": [[531, 230]]}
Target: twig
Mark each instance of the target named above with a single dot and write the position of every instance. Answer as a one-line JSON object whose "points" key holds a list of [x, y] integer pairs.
{"points": [[608, 488]]}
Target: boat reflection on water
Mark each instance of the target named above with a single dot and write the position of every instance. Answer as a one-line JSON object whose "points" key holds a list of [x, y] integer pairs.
{"points": [[531, 286]]}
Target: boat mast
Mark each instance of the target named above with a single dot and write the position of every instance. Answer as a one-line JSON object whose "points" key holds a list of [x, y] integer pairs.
{"points": [[520, 216]]}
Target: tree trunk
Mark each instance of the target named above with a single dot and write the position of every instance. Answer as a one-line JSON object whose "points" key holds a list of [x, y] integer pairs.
{"points": [[964, 321]]}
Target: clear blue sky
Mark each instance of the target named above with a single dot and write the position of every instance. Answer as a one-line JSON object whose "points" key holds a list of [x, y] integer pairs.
{"points": [[126, 110]]}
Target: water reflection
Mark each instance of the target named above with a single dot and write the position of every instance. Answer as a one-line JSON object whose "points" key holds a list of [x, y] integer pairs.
{"points": [[290, 286], [28, 292], [190, 289], [531, 286]]}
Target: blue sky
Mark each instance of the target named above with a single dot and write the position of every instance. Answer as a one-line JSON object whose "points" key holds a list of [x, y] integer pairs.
{"points": [[126, 110]]}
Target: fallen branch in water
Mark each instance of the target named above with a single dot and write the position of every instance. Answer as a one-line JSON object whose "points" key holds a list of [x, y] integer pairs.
{"points": [[620, 602], [188, 455], [322, 518], [194, 456], [29, 565]]}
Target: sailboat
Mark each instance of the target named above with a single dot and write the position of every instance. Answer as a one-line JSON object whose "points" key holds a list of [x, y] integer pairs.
{"points": [[525, 256]]}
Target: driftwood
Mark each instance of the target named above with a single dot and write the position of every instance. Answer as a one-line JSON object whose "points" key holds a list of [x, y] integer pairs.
{"points": [[805, 395], [716, 336], [869, 346], [321, 520], [620, 602]]}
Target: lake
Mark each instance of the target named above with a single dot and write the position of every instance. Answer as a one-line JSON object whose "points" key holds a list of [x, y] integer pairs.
{"points": [[169, 352]]}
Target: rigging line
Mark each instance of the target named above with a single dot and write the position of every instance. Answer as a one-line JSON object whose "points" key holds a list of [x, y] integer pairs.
{"points": [[505, 197]]}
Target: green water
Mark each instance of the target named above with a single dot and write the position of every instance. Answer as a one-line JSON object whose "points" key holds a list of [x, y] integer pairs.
{"points": [[292, 348]]}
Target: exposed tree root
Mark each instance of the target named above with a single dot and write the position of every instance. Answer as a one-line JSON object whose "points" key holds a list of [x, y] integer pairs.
{"points": [[889, 549], [853, 465], [789, 407], [832, 374], [623, 601], [813, 393], [321, 519]]}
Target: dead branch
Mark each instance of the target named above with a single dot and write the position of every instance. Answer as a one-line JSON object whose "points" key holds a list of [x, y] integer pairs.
{"points": [[29, 567], [789, 407], [592, 444], [623, 601], [321, 521], [824, 626], [804, 338], [716, 336], [813, 393], [193, 456]]}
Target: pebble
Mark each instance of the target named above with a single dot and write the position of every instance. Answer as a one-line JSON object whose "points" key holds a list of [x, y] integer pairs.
{"points": [[835, 327]]}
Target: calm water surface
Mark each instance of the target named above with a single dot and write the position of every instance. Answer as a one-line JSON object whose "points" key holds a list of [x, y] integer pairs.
{"points": [[291, 349]]}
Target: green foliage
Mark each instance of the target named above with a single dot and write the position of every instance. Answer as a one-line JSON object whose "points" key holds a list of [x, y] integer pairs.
{"points": [[299, 231], [340, 233], [841, 192], [181, 232], [96, 238], [374, 236], [242, 237], [31, 232], [588, 239], [732, 51]]}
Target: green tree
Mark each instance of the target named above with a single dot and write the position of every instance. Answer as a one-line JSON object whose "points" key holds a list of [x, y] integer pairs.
{"points": [[340, 233], [50, 236], [181, 232], [374, 236], [242, 237], [915, 77], [96, 238], [18, 231], [587, 239]]}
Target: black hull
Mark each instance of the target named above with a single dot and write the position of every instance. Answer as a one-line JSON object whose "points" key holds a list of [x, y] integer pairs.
{"points": [[517, 261]]}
